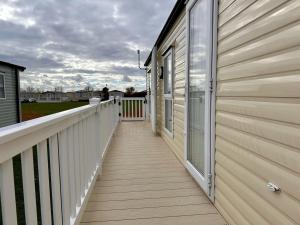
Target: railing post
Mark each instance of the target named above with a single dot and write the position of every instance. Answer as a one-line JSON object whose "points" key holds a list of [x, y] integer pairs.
{"points": [[118, 109], [96, 130]]}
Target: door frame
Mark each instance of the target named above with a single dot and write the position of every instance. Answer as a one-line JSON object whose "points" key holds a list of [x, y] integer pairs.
{"points": [[207, 186]]}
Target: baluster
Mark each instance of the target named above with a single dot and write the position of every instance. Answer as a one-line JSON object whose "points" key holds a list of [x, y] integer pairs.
{"points": [[100, 134], [142, 106], [111, 119], [76, 164], [143, 110], [128, 104], [29, 187], [86, 155], [64, 173], [88, 149], [7, 187], [126, 108], [92, 132], [138, 108], [97, 137], [107, 122], [55, 180], [131, 106], [96, 140], [44, 182], [82, 158], [72, 171]]}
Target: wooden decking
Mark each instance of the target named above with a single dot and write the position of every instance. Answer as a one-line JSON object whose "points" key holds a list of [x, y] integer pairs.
{"points": [[144, 184]]}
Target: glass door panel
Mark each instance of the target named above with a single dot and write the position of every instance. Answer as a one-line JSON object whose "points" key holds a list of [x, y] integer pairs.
{"points": [[198, 132]]}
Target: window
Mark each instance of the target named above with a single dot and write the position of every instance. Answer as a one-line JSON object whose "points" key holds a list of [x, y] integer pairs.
{"points": [[2, 86], [168, 67], [168, 90]]}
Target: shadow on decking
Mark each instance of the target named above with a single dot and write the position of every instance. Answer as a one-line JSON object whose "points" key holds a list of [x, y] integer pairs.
{"points": [[143, 183]]}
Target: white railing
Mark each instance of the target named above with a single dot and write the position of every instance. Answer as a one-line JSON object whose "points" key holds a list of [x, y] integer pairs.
{"points": [[75, 141], [133, 109]]}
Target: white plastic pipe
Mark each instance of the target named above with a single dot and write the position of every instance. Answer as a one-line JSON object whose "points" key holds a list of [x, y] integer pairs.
{"points": [[154, 89]]}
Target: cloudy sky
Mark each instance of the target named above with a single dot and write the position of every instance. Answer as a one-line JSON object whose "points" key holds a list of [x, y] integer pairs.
{"points": [[75, 43]]}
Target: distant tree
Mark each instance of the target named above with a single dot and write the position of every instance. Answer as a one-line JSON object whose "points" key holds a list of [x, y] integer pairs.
{"points": [[30, 90], [105, 92], [89, 88], [39, 90], [130, 90], [58, 89]]}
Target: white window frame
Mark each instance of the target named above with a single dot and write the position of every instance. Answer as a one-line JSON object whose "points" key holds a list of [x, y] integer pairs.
{"points": [[3, 75], [211, 123], [169, 97]]}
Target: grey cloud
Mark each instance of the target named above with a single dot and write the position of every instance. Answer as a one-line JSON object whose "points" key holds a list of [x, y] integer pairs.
{"points": [[73, 37], [126, 78], [77, 78], [32, 62]]}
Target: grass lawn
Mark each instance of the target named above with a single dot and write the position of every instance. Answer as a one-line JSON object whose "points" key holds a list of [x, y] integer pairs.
{"points": [[35, 110]]}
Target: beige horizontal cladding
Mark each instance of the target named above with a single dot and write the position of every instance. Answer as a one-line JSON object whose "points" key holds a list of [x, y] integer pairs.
{"points": [[272, 42], [257, 112], [235, 8], [285, 156], [269, 22], [278, 62], [282, 111], [245, 16], [285, 85]]}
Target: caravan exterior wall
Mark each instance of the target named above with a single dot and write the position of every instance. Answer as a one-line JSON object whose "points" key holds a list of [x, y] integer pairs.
{"points": [[9, 103], [257, 133], [257, 108]]}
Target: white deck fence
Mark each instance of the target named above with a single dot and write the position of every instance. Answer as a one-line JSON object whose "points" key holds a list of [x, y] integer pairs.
{"points": [[133, 109], [70, 146]]}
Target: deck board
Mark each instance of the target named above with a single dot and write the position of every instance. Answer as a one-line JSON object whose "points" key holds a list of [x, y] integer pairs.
{"points": [[143, 183]]}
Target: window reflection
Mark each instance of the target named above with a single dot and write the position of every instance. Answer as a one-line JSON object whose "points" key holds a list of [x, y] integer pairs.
{"points": [[198, 72]]}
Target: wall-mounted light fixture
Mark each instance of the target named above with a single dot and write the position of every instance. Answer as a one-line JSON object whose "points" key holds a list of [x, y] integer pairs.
{"points": [[161, 77]]}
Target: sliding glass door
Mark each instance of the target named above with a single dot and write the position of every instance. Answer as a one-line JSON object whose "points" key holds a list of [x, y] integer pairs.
{"points": [[198, 90]]}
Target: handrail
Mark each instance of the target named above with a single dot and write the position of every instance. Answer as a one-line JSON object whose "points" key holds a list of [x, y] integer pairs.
{"points": [[18, 129], [73, 143], [27, 133], [133, 98]]}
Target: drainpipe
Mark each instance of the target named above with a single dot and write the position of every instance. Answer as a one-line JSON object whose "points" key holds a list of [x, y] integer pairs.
{"points": [[154, 90]]}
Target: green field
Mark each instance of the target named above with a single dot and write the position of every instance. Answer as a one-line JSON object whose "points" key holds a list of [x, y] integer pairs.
{"points": [[35, 110]]}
